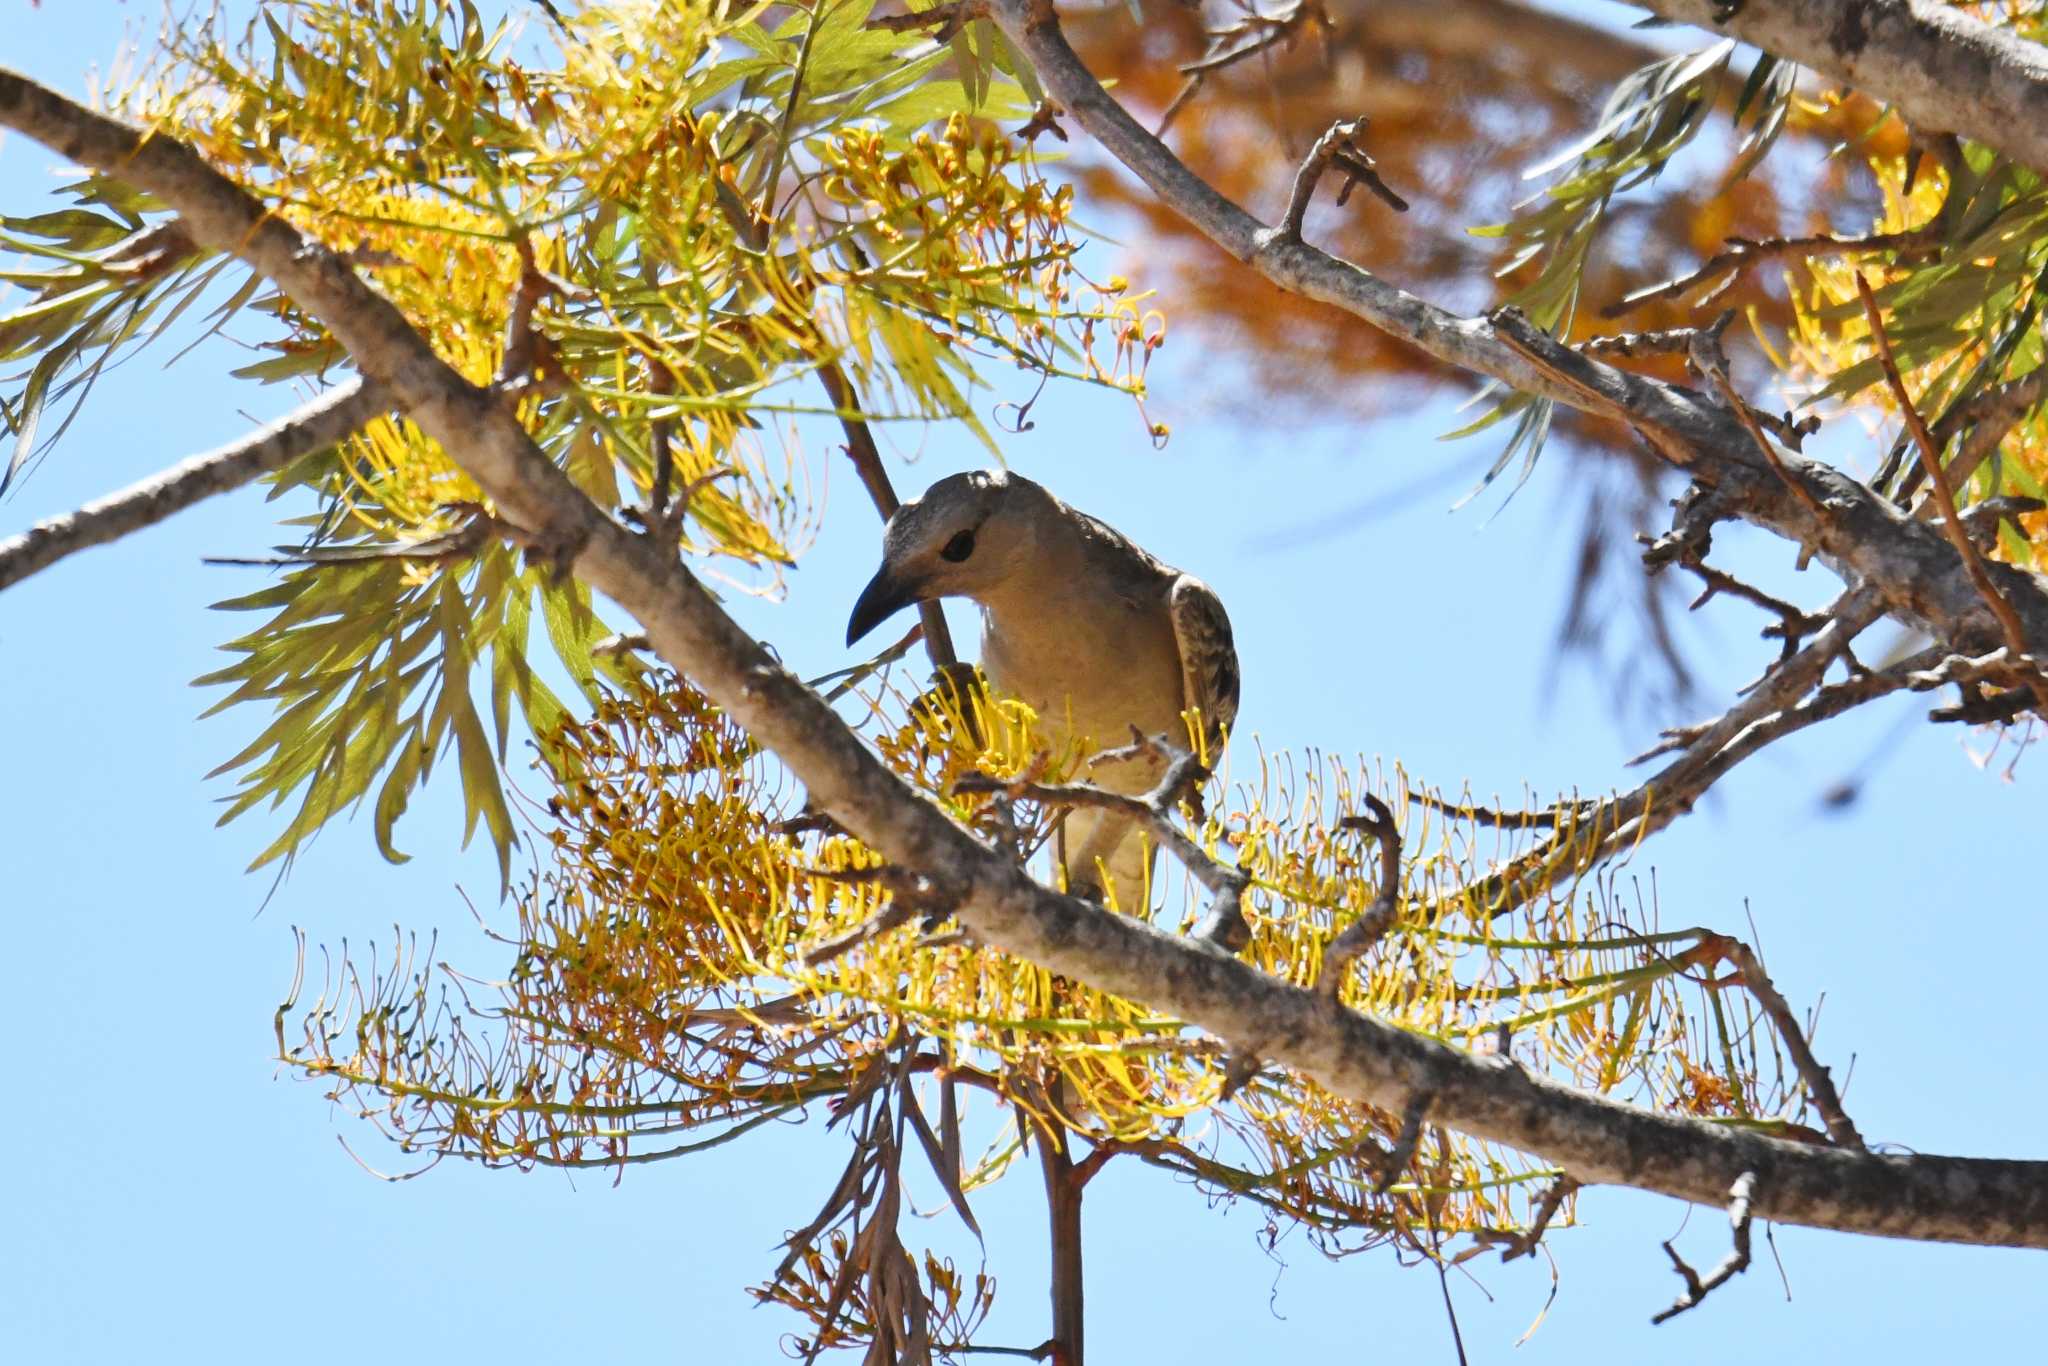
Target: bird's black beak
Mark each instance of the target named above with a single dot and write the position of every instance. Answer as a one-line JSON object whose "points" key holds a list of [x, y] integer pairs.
{"points": [[883, 598]]}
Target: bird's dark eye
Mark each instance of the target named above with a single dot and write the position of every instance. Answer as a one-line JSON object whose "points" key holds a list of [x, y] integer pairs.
{"points": [[959, 548]]}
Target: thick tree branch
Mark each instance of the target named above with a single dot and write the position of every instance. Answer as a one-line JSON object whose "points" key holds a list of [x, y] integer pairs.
{"points": [[1598, 1140], [1866, 539], [1945, 71], [324, 421]]}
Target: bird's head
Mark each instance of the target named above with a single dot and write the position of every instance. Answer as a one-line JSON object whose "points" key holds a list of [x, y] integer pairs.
{"points": [[963, 537]]}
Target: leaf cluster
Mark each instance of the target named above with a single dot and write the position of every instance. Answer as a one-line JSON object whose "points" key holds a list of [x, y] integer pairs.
{"points": [[1649, 118], [673, 989], [1964, 318], [649, 226]]}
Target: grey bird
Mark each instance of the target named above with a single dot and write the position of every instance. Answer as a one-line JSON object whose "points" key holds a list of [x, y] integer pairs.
{"points": [[1092, 632]]}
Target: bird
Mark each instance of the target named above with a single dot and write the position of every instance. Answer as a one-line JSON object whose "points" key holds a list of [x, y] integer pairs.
{"points": [[1078, 622]]}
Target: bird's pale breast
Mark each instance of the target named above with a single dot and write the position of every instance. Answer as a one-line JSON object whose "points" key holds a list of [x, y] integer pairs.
{"points": [[1090, 671]]}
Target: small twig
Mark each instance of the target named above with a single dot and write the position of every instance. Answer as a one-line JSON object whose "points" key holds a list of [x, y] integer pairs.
{"points": [[1337, 147], [911, 895], [1524, 1243], [1982, 518], [1044, 119], [1791, 430], [1741, 252], [1987, 418], [1360, 169], [1820, 1084], [521, 354], [660, 380], [1767, 713], [1563, 366], [1698, 1288], [945, 21], [666, 524], [1969, 674], [1952, 524], [1986, 709], [1255, 34], [1794, 625], [867, 463], [479, 527], [626, 642], [148, 253], [1496, 816], [778, 155], [888, 918], [808, 821], [1396, 1159], [1694, 516], [1667, 341], [1669, 741], [1362, 933], [1704, 353], [1961, 669]]}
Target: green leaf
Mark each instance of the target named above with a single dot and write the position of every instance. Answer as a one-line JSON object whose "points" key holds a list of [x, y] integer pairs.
{"points": [[572, 627], [396, 793], [27, 416]]}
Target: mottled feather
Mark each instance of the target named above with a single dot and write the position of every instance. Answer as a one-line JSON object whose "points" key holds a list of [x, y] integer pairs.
{"points": [[1208, 656]]}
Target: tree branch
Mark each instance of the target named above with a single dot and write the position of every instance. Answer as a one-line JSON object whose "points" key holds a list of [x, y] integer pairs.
{"points": [[1943, 70], [1970, 1200], [1707, 751], [324, 421], [1862, 536]]}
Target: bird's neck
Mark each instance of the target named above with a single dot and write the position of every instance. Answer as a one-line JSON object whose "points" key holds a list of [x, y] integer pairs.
{"points": [[1038, 585]]}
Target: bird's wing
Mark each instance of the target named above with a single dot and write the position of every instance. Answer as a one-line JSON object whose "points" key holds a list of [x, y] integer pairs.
{"points": [[1208, 658]]}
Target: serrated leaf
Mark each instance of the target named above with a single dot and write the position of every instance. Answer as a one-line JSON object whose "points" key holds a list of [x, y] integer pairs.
{"points": [[394, 796], [572, 629], [27, 414]]}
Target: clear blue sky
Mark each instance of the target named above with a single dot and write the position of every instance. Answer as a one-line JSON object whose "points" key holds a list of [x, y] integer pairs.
{"points": [[170, 1197]]}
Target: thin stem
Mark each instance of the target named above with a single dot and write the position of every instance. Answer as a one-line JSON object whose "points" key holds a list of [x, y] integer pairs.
{"points": [[1951, 521], [867, 462], [1063, 1208], [796, 94]]}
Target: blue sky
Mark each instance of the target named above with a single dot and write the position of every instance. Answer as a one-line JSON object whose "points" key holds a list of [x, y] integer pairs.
{"points": [[172, 1197]]}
